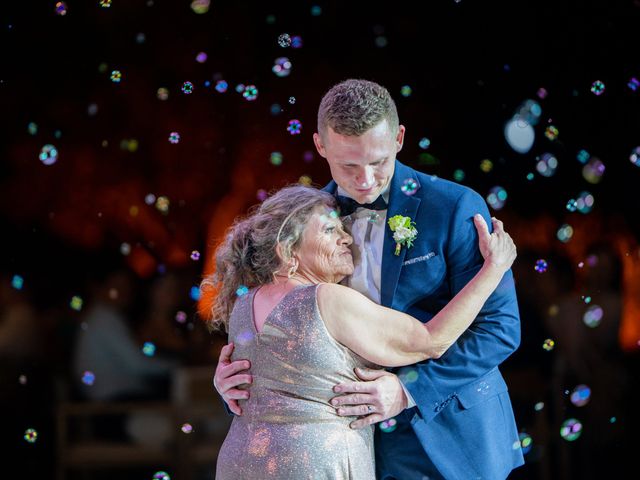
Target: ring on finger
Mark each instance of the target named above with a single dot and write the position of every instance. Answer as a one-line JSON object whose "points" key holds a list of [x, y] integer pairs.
{"points": [[370, 408]]}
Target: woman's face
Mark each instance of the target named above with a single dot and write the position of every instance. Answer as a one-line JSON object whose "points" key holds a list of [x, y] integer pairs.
{"points": [[324, 253]]}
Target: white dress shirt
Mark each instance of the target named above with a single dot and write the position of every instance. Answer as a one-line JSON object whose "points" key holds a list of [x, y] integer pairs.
{"points": [[367, 228]]}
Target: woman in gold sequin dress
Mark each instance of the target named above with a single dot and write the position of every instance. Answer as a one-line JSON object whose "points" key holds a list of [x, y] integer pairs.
{"points": [[279, 298]]}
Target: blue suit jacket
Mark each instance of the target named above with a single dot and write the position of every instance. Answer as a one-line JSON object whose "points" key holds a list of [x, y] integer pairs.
{"points": [[463, 418]]}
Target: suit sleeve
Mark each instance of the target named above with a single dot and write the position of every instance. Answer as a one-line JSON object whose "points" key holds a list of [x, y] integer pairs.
{"points": [[494, 334]]}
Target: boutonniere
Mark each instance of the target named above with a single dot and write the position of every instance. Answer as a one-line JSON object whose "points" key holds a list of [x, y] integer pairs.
{"points": [[404, 231]]}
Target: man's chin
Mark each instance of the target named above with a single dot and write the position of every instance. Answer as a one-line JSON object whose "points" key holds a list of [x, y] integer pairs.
{"points": [[368, 198]]}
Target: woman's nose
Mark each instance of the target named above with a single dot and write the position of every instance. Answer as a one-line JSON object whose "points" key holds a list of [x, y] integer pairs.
{"points": [[346, 239]]}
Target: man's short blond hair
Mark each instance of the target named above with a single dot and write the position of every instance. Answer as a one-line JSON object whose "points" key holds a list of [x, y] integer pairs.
{"points": [[355, 106]]}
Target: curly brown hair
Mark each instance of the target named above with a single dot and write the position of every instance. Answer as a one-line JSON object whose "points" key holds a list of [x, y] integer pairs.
{"points": [[256, 247]]}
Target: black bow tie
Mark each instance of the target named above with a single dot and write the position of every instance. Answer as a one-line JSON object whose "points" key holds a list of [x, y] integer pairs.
{"points": [[349, 205]]}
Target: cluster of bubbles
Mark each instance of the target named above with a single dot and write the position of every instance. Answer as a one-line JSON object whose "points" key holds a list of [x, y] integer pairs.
{"points": [[281, 67], [221, 86], [174, 137], [525, 442], [294, 127], [518, 131], [61, 9], [161, 475], [17, 281], [149, 349], [635, 156], [162, 204], [242, 290], [409, 187], [388, 426], [572, 205], [584, 202], [548, 344], [195, 255], [551, 132], [187, 88], [284, 40], [593, 170], [565, 233], [181, 317], [571, 429], [250, 92], [458, 175], [583, 156], [486, 165], [201, 57], [76, 303], [408, 375], [406, 91], [116, 76], [88, 378], [276, 158], [633, 83], [305, 180], [546, 164], [200, 7], [262, 194], [580, 395], [497, 197], [593, 316], [292, 100], [275, 109], [125, 248], [597, 87], [245, 337], [130, 144], [483, 388], [195, 293], [541, 266], [48, 154], [30, 435], [186, 428], [374, 217], [162, 94], [424, 143]]}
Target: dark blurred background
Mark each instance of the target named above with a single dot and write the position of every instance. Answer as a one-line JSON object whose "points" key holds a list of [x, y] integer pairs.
{"points": [[107, 236]]}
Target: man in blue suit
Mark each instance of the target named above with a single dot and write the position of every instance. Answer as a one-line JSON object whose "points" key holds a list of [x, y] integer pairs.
{"points": [[449, 418]]}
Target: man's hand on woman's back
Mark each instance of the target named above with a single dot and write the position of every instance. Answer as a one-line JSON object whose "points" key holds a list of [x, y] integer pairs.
{"points": [[230, 375]]}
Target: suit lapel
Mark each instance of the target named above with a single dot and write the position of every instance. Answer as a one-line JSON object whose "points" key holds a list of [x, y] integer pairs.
{"points": [[399, 204]]}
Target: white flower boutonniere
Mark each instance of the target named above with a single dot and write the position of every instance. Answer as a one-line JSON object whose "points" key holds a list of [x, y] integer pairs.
{"points": [[404, 231]]}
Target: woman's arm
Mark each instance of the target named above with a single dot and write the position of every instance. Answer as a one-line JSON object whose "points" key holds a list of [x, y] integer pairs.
{"points": [[391, 338]]}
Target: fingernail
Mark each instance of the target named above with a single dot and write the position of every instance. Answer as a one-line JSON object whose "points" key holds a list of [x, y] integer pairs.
{"points": [[337, 389], [334, 402], [340, 411]]}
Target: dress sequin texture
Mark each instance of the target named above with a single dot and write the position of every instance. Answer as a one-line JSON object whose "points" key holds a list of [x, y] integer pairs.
{"points": [[288, 429]]}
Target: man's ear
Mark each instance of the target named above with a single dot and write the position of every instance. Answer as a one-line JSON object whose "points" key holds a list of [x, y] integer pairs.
{"points": [[317, 140], [400, 138]]}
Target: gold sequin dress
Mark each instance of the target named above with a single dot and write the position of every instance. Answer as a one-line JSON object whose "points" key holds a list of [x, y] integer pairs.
{"points": [[288, 429]]}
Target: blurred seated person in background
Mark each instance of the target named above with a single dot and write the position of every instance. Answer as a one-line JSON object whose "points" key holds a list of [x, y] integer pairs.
{"points": [[109, 363]]}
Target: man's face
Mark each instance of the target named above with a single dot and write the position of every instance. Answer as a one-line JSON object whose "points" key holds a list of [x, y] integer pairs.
{"points": [[363, 166]]}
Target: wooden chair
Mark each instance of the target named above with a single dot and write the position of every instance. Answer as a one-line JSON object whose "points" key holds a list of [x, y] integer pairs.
{"points": [[198, 426]]}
